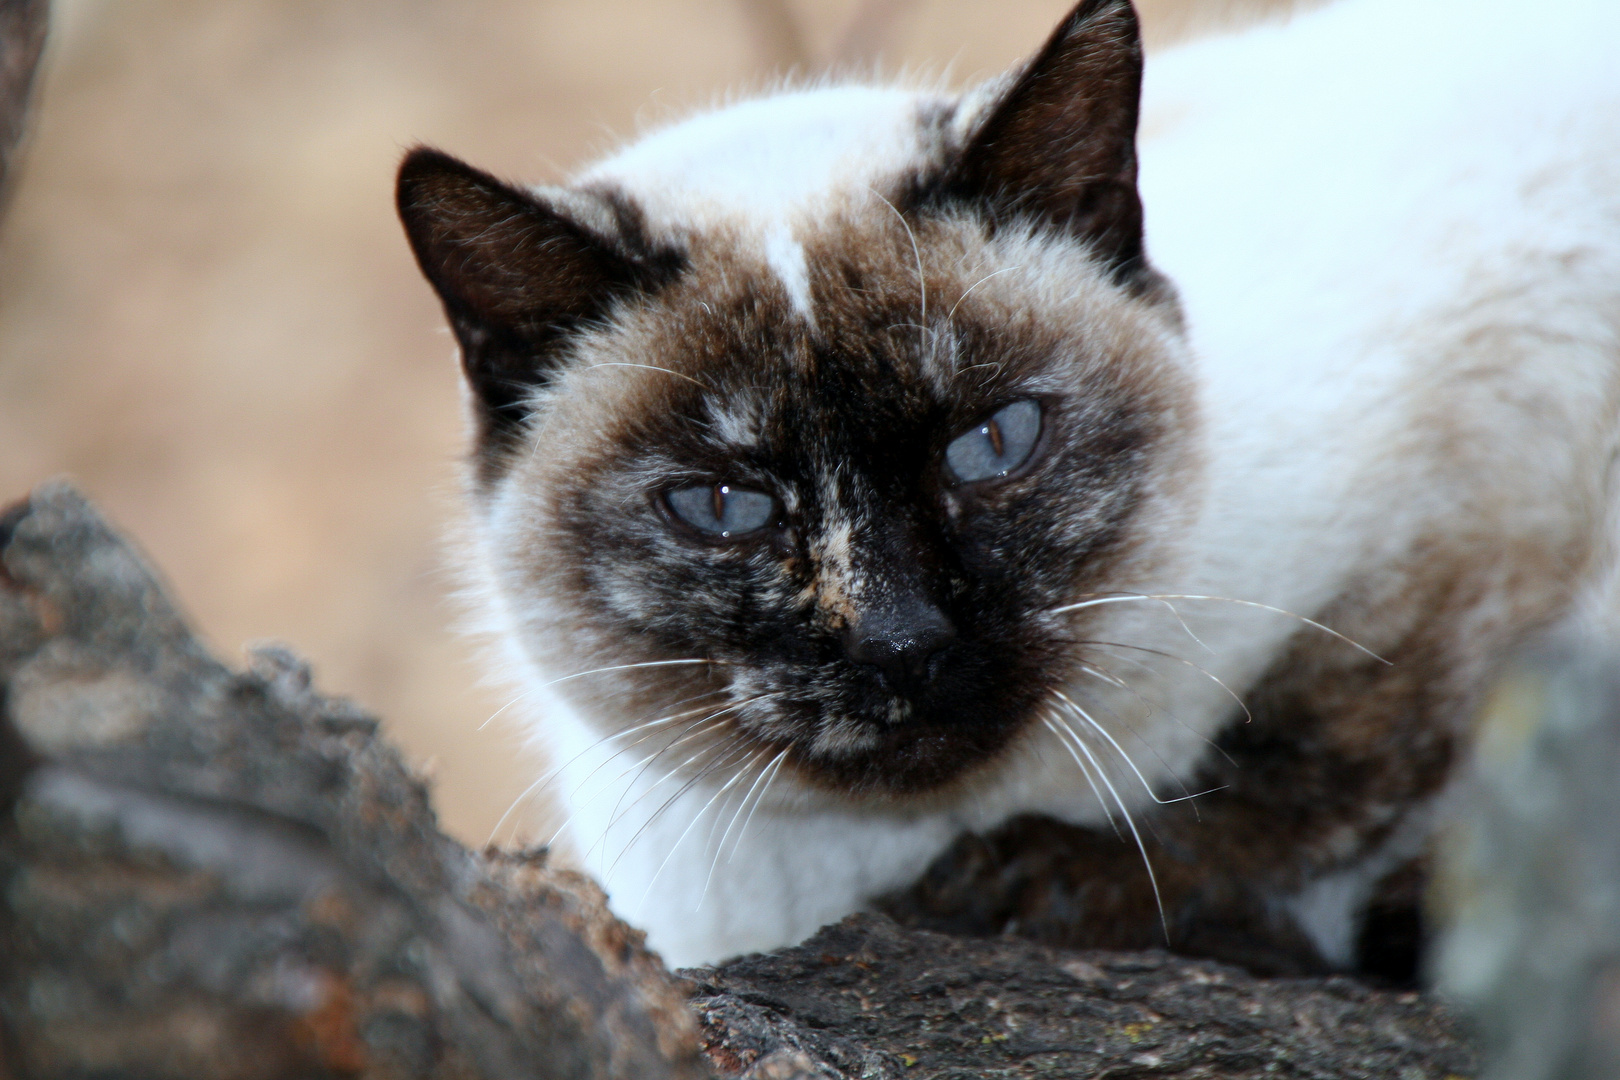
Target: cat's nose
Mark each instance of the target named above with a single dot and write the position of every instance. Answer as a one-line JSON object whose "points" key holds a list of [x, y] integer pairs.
{"points": [[900, 640]]}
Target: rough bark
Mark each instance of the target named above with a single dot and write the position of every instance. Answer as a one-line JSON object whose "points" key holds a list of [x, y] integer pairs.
{"points": [[868, 998], [217, 873]]}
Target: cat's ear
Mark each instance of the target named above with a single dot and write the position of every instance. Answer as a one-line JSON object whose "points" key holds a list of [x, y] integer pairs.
{"points": [[515, 275], [1059, 145]]}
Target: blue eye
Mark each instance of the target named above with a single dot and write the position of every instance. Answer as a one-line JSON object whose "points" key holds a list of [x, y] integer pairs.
{"points": [[997, 446], [722, 510]]}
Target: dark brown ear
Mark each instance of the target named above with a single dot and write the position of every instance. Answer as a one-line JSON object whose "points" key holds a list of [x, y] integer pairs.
{"points": [[516, 277], [1060, 145]]}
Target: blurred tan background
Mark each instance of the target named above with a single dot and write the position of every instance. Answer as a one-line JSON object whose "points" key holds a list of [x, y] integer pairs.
{"points": [[210, 321]]}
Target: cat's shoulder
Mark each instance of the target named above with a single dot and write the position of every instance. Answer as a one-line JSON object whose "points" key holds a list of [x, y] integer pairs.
{"points": [[1362, 69]]}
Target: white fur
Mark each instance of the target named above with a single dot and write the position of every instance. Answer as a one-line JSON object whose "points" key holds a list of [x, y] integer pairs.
{"points": [[1346, 203], [765, 161], [786, 258]]}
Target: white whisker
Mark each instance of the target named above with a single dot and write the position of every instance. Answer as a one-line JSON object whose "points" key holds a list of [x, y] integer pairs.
{"points": [[1085, 771], [691, 782], [651, 367], [762, 783], [952, 313], [922, 281], [1130, 823], [1148, 746], [692, 730], [626, 667], [1114, 680], [770, 775], [517, 802], [974, 367], [1247, 715], [503, 708], [650, 724], [1166, 597], [551, 774], [616, 814], [1122, 598], [697, 817], [1120, 750]]}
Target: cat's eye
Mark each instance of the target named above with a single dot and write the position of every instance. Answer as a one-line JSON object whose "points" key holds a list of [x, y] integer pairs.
{"points": [[997, 446], [720, 510]]}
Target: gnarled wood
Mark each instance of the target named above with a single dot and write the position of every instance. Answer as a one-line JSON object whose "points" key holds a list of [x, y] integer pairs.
{"points": [[218, 873]]}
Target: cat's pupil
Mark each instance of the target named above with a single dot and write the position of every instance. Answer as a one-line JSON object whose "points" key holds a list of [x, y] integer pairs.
{"points": [[722, 510], [997, 446]]}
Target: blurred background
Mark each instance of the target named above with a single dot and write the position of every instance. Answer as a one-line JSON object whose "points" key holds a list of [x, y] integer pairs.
{"points": [[209, 319]]}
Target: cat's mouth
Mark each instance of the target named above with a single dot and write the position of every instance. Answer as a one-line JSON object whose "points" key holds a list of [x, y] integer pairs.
{"points": [[852, 730], [906, 747]]}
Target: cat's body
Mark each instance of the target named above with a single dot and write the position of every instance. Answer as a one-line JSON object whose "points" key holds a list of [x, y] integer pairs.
{"points": [[1394, 228]]}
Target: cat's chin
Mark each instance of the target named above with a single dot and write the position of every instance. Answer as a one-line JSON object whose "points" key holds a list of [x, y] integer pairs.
{"points": [[913, 759]]}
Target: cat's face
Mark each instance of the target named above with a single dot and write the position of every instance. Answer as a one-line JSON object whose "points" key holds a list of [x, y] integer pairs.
{"points": [[863, 523], [814, 500]]}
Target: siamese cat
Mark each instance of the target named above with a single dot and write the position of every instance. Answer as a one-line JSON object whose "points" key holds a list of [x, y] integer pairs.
{"points": [[1088, 506]]}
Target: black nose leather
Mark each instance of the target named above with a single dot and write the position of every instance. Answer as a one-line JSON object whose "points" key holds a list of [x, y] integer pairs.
{"points": [[900, 640]]}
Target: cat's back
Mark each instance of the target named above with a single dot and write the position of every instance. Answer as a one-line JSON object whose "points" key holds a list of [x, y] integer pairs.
{"points": [[1375, 147], [1395, 228]]}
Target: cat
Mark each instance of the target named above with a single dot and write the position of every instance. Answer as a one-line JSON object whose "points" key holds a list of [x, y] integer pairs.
{"points": [[866, 519]]}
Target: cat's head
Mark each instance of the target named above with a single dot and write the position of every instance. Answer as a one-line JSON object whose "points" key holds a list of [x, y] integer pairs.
{"points": [[797, 422]]}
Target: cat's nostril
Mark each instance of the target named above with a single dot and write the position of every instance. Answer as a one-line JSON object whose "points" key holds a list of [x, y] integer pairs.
{"points": [[900, 644]]}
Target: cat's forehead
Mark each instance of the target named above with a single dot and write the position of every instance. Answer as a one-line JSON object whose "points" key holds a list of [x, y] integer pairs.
{"points": [[760, 163], [814, 309], [747, 191], [817, 309], [856, 332]]}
